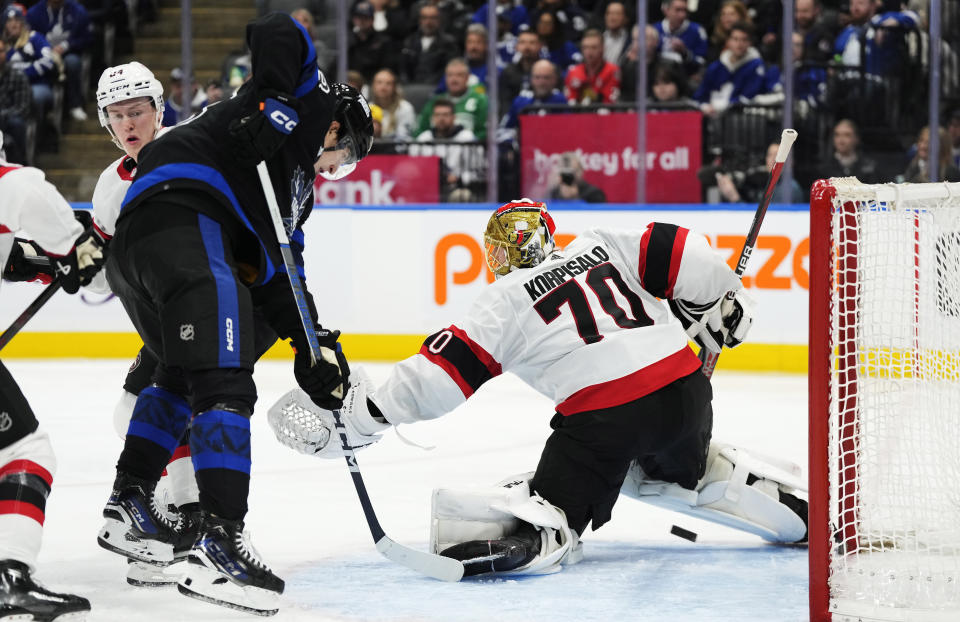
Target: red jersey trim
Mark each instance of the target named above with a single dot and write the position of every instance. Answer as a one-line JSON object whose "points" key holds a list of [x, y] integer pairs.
{"points": [[125, 171], [10, 167], [27, 466], [642, 260], [5, 229], [676, 255], [23, 509], [632, 386], [103, 234]]}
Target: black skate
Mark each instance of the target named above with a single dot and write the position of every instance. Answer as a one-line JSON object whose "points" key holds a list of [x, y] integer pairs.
{"points": [[136, 528], [9, 613], [144, 574], [501, 555], [21, 597], [223, 569]]}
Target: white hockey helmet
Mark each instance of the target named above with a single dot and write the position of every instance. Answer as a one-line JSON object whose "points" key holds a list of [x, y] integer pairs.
{"points": [[519, 234], [123, 82]]}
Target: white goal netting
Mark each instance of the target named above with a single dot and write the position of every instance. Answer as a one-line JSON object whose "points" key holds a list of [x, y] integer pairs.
{"points": [[895, 401]]}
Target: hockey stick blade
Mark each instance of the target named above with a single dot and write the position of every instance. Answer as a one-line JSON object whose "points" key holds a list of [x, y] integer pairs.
{"points": [[435, 566]]}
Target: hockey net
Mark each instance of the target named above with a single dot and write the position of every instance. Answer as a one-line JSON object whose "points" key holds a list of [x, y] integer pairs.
{"points": [[884, 401]]}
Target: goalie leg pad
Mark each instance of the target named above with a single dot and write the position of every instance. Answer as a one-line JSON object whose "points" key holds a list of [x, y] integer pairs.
{"points": [[478, 521], [731, 494]]}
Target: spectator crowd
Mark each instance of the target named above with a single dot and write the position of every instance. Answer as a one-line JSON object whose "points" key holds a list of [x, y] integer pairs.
{"points": [[423, 65]]}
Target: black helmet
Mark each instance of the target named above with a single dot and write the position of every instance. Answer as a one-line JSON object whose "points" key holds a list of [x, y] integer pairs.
{"points": [[353, 114]]}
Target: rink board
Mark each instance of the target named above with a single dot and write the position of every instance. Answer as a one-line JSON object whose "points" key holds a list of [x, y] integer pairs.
{"points": [[387, 276]]}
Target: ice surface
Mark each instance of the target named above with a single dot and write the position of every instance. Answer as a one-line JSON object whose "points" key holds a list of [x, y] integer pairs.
{"points": [[307, 524]]}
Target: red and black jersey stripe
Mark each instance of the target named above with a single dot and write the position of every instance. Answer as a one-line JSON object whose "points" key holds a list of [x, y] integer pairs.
{"points": [[464, 360], [24, 488], [661, 249]]}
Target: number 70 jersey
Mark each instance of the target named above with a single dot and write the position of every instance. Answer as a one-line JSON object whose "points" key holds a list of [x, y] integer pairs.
{"points": [[590, 329]]}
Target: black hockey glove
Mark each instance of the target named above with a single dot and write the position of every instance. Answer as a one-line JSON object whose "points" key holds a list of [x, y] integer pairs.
{"points": [[84, 217], [28, 262], [328, 380], [82, 263], [257, 136]]}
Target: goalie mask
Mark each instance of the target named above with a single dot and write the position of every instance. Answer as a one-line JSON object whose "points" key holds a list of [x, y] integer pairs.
{"points": [[519, 235], [125, 82]]}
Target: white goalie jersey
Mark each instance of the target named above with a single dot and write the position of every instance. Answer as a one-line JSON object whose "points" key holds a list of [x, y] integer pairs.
{"points": [[588, 328]]}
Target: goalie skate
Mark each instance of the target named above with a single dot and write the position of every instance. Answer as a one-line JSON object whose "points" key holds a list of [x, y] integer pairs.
{"points": [[500, 555], [224, 569]]}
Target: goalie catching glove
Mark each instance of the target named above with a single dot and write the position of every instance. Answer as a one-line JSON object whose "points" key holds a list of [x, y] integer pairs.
{"points": [[299, 424], [716, 324]]}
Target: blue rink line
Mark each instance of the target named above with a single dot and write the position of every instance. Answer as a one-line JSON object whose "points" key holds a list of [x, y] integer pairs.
{"points": [[561, 206]]}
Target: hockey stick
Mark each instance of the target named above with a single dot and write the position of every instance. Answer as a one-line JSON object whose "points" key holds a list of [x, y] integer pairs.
{"points": [[29, 312], [786, 142], [436, 566]]}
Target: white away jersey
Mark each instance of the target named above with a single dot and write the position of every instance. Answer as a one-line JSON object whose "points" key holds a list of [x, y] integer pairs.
{"points": [[110, 190], [30, 203], [589, 330]]}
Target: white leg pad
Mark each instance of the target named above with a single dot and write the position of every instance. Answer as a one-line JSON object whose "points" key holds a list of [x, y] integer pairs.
{"points": [[724, 497], [462, 515]]}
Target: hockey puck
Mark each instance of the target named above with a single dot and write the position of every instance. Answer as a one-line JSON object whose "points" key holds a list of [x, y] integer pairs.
{"points": [[683, 533]]}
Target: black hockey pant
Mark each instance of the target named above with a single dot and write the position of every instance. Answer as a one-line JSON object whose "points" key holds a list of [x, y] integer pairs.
{"points": [[16, 417], [586, 457], [174, 271]]}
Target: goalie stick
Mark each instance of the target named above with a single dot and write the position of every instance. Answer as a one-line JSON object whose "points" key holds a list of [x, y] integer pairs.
{"points": [[786, 142], [29, 312], [436, 566]]}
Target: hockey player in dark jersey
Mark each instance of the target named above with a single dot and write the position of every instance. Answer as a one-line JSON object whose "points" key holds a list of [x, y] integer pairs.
{"points": [[195, 253]]}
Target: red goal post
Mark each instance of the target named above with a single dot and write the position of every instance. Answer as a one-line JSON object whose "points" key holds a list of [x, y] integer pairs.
{"points": [[884, 401]]}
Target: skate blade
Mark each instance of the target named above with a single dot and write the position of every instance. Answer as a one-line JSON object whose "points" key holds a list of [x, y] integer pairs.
{"points": [[212, 587], [114, 536], [16, 617], [73, 616], [140, 574]]}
